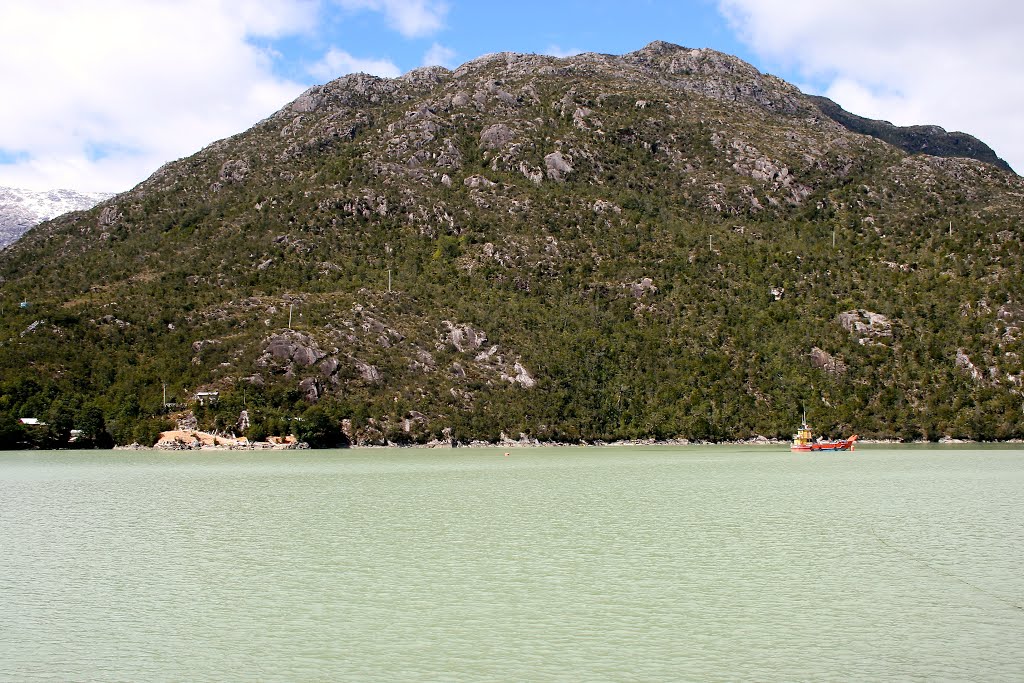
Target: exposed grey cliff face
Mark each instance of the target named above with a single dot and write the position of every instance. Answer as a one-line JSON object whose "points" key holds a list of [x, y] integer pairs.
{"points": [[21, 210]]}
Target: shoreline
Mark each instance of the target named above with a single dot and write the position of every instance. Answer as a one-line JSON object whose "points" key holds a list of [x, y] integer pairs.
{"points": [[194, 440]]}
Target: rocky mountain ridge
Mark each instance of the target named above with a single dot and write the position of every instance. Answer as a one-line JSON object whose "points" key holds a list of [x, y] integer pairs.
{"points": [[933, 140], [663, 244]]}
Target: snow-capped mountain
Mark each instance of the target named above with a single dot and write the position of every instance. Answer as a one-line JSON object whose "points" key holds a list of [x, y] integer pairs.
{"points": [[22, 209]]}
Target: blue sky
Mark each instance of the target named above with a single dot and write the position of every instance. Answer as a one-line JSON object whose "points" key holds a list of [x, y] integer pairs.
{"points": [[98, 95], [475, 28]]}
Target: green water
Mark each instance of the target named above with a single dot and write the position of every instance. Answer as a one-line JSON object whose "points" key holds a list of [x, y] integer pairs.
{"points": [[569, 564]]}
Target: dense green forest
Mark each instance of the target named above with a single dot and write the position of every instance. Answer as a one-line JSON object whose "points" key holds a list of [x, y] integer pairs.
{"points": [[595, 248]]}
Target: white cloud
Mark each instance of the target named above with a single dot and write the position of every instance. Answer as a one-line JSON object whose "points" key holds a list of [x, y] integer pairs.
{"points": [[338, 63], [99, 95], [107, 91], [411, 18], [439, 55], [941, 62], [556, 51]]}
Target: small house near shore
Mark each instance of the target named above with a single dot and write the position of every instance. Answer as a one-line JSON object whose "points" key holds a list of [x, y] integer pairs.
{"points": [[207, 397]]}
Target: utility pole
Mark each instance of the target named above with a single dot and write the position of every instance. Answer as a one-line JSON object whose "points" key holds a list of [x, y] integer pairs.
{"points": [[389, 280], [289, 316], [165, 394]]}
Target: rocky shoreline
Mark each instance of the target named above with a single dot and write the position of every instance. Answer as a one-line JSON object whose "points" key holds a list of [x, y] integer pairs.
{"points": [[195, 440]]}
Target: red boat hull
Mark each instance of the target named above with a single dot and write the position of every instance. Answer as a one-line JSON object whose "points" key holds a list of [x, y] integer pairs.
{"points": [[841, 445]]}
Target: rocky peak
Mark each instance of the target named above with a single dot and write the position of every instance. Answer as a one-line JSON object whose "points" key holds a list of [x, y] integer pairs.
{"points": [[716, 74], [426, 75], [660, 48], [350, 90]]}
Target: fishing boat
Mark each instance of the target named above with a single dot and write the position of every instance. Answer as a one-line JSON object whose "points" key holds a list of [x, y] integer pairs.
{"points": [[803, 441]]}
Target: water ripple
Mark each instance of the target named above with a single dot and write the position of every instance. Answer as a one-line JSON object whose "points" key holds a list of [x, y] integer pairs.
{"points": [[550, 565]]}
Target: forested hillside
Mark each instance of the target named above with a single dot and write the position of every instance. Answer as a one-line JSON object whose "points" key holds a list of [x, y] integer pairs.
{"points": [[656, 245]]}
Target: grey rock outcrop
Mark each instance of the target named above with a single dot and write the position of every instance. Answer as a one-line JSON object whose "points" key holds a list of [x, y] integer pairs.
{"points": [[291, 347], [963, 361], [496, 136], [868, 328], [645, 286], [826, 361], [368, 372], [464, 337], [557, 166]]}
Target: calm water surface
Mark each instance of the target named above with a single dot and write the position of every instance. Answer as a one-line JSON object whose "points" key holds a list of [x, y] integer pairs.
{"points": [[569, 564]]}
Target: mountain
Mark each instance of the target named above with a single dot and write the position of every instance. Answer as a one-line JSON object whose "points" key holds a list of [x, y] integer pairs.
{"points": [[22, 209], [661, 244]]}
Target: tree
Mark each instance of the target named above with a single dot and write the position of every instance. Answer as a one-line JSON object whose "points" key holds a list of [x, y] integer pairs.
{"points": [[12, 433], [319, 429], [58, 426], [257, 431], [94, 428]]}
